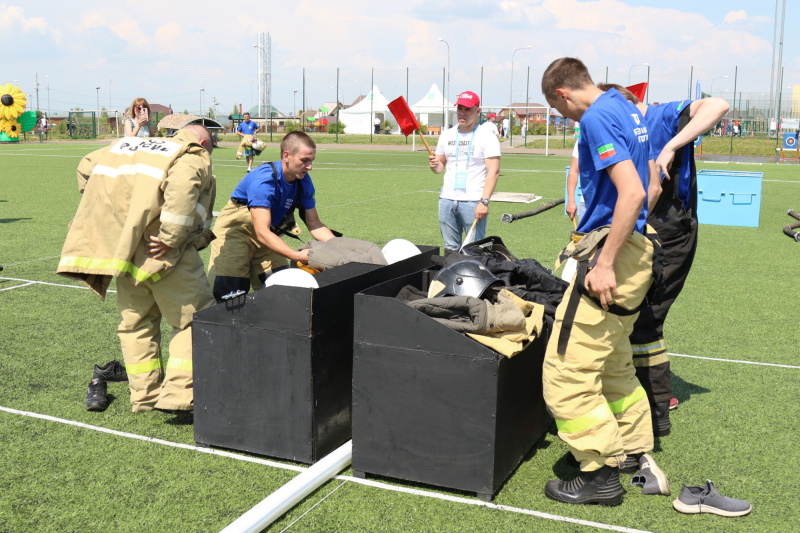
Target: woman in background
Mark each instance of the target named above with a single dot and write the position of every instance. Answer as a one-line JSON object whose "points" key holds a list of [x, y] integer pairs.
{"points": [[137, 121]]}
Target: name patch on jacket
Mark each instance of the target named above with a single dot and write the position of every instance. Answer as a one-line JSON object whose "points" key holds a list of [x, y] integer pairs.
{"points": [[131, 145]]}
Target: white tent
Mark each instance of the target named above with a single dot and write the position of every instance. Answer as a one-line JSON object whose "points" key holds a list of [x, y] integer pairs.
{"points": [[360, 118], [430, 110]]}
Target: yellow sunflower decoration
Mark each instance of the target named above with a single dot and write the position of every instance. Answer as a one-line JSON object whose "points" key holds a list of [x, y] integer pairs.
{"points": [[12, 128], [12, 101], [13, 117]]}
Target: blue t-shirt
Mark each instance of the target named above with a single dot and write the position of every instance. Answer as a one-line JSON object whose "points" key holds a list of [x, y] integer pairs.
{"points": [[612, 130], [248, 128], [258, 190], [662, 120]]}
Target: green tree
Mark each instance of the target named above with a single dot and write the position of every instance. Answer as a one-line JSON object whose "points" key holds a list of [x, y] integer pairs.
{"points": [[336, 127]]}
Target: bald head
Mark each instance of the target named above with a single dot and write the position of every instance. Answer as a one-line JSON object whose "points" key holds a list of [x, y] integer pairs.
{"points": [[202, 134]]}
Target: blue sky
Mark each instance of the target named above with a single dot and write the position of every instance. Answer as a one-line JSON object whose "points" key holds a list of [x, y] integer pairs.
{"points": [[169, 51]]}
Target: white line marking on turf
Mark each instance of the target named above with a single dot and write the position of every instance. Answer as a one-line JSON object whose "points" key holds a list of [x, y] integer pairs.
{"points": [[733, 360], [373, 199], [313, 506], [32, 261], [18, 286], [369, 483], [481, 503], [154, 440], [32, 282]]}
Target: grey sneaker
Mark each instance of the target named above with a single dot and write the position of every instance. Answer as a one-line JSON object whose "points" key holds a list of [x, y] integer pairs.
{"points": [[693, 500], [111, 371], [651, 478]]}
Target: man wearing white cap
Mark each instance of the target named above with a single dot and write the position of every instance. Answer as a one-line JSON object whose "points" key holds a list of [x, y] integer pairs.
{"points": [[469, 155]]}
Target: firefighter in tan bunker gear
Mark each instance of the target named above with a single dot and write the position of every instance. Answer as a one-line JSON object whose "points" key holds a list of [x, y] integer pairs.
{"points": [[589, 382], [145, 213]]}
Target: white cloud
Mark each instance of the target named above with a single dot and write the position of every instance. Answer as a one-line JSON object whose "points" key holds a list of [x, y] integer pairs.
{"points": [[14, 17], [735, 16]]}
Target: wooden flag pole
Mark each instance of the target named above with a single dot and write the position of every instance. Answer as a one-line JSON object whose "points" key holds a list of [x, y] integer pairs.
{"points": [[425, 142]]}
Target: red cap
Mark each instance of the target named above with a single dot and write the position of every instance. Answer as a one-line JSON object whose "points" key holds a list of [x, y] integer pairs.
{"points": [[468, 99], [492, 115]]}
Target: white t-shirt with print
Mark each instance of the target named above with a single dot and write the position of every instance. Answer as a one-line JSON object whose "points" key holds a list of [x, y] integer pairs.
{"points": [[484, 144]]}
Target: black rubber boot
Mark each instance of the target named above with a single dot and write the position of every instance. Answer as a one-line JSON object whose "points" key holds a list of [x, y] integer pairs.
{"points": [[631, 463], [600, 487], [661, 424]]}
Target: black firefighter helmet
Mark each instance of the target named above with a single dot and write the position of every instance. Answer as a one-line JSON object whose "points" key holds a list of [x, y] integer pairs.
{"points": [[465, 278]]}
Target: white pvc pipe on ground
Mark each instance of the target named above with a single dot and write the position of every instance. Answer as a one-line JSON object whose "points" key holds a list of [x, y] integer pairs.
{"points": [[276, 504]]}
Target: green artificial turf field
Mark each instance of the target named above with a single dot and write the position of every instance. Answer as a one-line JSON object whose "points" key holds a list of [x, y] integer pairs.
{"points": [[737, 377]]}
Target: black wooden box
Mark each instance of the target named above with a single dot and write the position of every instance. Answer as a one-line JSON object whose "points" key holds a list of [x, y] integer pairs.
{"points": [[273, 369], [433, 406]]}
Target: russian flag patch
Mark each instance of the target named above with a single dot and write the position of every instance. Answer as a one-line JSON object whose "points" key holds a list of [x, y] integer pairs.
{"points": [[606, 151]]}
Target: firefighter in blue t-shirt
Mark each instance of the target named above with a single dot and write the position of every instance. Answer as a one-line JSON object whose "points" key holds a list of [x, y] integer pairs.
{"points": [[589, 382], [247, 246], [247, 129], [673, 128]]}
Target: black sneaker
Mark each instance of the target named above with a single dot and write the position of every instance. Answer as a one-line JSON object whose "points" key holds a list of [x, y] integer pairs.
{"points": [[598, 487], [96, 395], [111, 371], [693, 500]]}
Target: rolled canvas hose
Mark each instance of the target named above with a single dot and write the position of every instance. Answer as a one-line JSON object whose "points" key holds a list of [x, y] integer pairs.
{"points": [[276, 504]]}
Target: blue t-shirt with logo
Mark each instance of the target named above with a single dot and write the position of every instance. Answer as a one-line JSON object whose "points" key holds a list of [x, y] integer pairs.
{"points": [[248, 128], [612, 130], [258, 189], [662, 120]]}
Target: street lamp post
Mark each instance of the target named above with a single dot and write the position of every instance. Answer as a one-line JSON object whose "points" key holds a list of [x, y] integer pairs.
{"points": [[49, 113], [511, 90], [637, 65], [446, 121]]}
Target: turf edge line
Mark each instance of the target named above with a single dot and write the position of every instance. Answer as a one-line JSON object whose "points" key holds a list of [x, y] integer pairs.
{"points": [[374, 484], [732, 360]]}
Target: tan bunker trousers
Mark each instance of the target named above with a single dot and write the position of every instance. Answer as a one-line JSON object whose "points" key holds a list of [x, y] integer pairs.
{"points": [[237, 253], [600, 408], [176, 297]]}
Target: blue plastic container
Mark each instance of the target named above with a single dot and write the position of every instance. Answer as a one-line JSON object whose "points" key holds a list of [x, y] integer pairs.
{"points": [[729, 198]]}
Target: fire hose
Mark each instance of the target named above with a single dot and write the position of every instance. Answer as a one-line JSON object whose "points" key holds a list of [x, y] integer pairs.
{"points": [[790, 229], [508, 218]]}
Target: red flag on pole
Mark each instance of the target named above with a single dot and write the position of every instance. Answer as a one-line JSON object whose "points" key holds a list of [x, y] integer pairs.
{"points": [[638, 90], [406, 120], [403, 115]]}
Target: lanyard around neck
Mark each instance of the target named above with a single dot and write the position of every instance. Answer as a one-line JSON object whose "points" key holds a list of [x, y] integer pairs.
{"points": [[469, 147]]}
